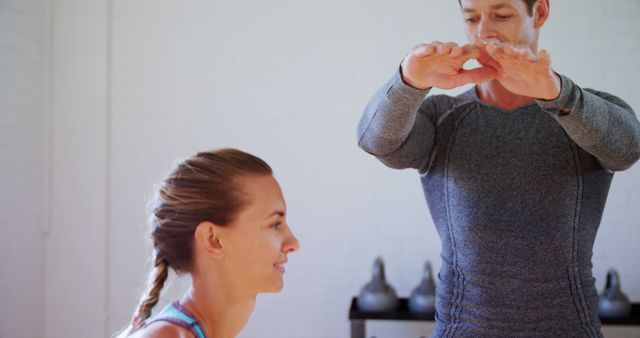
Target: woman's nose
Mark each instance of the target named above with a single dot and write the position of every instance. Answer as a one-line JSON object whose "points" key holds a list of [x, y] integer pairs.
{"points": [[291, 243]]}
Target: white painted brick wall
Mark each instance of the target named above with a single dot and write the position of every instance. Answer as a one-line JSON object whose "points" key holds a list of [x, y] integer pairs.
{"points": [[22, 40]]}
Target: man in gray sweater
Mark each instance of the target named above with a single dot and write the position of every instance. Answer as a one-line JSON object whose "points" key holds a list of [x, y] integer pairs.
{"points": [[515, 171]]}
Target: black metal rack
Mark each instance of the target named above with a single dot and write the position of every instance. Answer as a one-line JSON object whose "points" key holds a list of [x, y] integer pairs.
{"points": [[358, 318]]}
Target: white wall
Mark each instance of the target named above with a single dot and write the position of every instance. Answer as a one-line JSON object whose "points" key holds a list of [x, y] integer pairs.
{"points": [[288, 80], [139, 83], [76, 253], [22, 158]]}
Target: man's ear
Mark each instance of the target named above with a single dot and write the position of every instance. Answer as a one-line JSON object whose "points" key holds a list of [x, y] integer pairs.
{"points": [[207, 238], [540, 13]]}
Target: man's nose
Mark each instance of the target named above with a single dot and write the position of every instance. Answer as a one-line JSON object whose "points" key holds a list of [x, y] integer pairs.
{"points": [[486, 30]]}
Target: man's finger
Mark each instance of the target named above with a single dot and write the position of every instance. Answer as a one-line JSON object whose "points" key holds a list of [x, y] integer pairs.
{"points": [[530, 56], [443, 49], [509, 50], [424, 50], [471, 52], [544, 57], [492, 50], [456, 51], [523, 52]]}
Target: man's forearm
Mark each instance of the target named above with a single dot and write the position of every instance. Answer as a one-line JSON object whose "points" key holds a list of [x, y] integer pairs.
{"points": [[600, 123], [389, 117]]}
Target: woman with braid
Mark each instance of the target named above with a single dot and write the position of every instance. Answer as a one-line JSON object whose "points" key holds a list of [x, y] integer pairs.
{"points": [[219, 217]]}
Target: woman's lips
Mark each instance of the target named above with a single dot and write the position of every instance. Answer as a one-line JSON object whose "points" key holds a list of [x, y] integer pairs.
{"points": [[279, 267]]}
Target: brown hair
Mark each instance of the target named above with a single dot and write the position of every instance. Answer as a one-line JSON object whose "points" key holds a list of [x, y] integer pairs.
{"points": [[529, 3], [201, 188]]}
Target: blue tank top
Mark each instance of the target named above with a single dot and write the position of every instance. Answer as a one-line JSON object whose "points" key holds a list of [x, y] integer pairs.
{"points": [[176, 314]]}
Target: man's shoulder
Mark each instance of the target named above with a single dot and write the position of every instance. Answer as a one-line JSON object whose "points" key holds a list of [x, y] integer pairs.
{"points": [[609, 97], [600, 93]]}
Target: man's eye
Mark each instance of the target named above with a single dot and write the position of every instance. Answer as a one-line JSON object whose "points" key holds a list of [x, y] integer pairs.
{"points": [[276, 225], [503, 17], [472, 19]]}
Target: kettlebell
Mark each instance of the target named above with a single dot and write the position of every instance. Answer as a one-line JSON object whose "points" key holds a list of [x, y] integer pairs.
{"points": [[423, 297], [613, 302], [377, 295]]}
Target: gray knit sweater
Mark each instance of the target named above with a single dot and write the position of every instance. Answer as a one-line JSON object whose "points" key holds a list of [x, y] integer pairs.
{"points": [[517, 197]]}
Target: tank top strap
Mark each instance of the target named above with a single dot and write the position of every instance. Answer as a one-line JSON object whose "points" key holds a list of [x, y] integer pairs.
{"points": [[177, 314]]}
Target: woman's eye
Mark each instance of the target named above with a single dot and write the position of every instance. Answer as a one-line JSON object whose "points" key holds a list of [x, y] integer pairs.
{"points": [[277, 225], [472, 19]]}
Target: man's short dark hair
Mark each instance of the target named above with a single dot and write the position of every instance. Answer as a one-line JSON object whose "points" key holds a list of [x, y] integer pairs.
{"points": [[529, 3]]}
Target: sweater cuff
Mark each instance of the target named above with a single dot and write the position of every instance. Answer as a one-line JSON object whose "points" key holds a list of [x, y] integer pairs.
{"points": [[398, 88], [565, 102]]}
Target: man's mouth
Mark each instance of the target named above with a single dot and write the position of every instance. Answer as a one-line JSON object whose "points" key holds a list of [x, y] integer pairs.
{"points": [[490, 41]]}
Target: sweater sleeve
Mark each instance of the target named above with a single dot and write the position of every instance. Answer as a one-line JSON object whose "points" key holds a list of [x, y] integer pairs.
{"points": [[600, 123], [395, 126]]}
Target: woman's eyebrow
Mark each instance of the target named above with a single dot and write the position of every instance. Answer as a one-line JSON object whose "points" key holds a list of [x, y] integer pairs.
{"points": [[277, 212]]}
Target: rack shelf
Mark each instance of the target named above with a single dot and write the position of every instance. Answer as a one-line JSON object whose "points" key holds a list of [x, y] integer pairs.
{"points": [[358, 318]]}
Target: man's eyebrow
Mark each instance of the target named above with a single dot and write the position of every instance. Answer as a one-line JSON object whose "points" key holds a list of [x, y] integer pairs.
{"points": [[498, 6]]}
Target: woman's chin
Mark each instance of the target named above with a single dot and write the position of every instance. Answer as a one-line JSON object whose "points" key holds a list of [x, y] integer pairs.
{"points": [[278, 286], [273, 288], [275, 285]]}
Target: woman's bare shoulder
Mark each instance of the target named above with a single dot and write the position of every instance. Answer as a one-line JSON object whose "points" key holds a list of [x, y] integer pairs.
{"points": [[161, 329]]}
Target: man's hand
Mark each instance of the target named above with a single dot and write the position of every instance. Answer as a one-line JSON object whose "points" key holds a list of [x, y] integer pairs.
{"points": [[520, 71], [440, 65]]}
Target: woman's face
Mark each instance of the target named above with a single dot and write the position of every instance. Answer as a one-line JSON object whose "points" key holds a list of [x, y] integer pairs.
{"points": [[256, 244]]}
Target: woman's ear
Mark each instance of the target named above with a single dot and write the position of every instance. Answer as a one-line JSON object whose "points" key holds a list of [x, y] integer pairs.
{"points": [[207, 238], [540, 13]]}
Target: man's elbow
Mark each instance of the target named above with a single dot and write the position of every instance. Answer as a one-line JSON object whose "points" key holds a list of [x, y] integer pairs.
{"points": [[628, 159], [634, 154]]}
